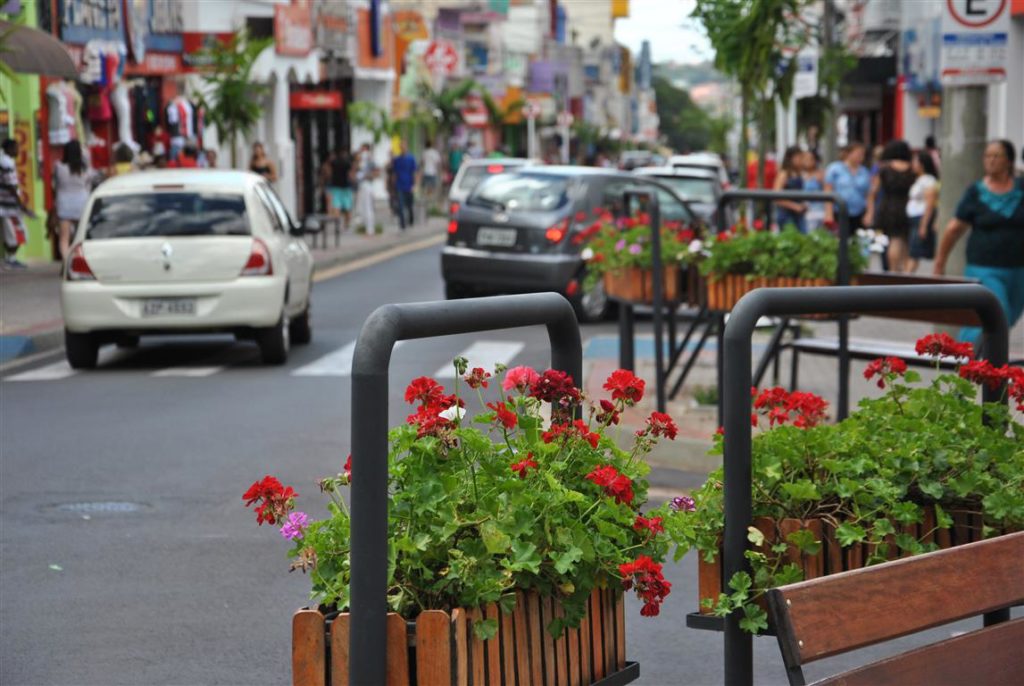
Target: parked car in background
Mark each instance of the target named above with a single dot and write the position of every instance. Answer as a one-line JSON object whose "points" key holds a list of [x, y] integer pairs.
{"points": [[703, 160], [515, 232], [700, 188], [472, 172], [186, 252], [631, 159]]}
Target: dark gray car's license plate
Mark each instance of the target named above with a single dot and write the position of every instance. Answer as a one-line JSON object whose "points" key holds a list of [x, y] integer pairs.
{"points": [[494, 237]]}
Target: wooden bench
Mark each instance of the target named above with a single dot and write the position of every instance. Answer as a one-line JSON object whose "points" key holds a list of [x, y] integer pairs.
{"points": [[842, 612]]}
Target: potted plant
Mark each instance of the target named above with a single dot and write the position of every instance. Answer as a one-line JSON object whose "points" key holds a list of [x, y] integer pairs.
{"points": [[511, 536], [619, 252], [923, 466], [744, 258]]}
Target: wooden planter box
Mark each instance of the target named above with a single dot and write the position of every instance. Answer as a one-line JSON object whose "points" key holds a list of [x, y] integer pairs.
{"points": [[833, 558], [724, 291], [636, 285], [439, 648]]}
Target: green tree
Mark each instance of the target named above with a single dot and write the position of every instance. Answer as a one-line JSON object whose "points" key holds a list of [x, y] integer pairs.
{"points": [[232, 101]]}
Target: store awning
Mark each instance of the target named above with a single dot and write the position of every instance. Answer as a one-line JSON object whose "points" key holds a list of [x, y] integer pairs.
{"points": [[31, 51]]}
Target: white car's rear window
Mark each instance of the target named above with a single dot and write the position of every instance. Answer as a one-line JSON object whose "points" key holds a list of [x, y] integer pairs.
{"points": [[167, 214]]}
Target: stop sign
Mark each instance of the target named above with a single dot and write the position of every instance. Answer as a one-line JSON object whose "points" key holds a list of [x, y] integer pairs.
{"points": [[441, 57]]}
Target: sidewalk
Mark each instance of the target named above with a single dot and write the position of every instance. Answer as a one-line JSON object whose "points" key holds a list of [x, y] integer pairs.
{"points": [[30, 318]]}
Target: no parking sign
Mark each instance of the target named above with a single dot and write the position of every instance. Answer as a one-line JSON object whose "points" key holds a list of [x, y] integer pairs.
{"points": [[975, 39]]}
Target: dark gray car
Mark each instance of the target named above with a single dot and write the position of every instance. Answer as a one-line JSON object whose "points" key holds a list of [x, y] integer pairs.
{"points": [[514, 234]]}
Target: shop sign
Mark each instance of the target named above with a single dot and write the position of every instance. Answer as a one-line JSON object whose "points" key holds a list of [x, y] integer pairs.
{"points": [[805, 79], [23, 163], [293, 29], [84, 20], [315, 100], [441, 57], [475, 112], [193, 45], [368, 59], [156, 64], [331, 29], [152, 25], [975, 42]]}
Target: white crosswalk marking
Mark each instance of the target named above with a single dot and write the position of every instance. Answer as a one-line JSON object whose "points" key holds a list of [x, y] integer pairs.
{"points": [[50, 372], [337, 363], [484, 354], [188, 371]]}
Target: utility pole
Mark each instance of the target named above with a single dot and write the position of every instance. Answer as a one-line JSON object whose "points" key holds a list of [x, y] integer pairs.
{"points": [[964, 131], [829, 149]]}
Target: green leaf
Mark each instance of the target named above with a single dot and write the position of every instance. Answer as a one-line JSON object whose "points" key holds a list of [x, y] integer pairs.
{"points": [[801, 490], [524, 557], [911, 376], [755, 536], [740, 582], [565, 561], [754, 620], [495, 540], [486, 629], [848, 534], [805, 541]]}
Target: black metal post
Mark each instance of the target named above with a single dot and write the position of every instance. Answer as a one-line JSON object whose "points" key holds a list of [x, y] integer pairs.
{"points": [[386, 326], [626, 342], [795, 301]]}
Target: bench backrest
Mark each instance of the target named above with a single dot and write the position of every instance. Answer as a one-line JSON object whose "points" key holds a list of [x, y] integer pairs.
{"points": [[952, 317], [838, 613]]}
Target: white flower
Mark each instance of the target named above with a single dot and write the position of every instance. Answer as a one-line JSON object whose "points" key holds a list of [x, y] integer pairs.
{"points": [[695, 246], [452, 413], [863, 233], [587, 254], [882, 239]]}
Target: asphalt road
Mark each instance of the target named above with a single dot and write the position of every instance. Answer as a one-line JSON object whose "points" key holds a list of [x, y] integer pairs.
{"points": [[173, 582]]}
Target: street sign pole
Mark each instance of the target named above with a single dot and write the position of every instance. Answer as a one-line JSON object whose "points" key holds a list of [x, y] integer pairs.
{"points": [[531, 137], [565, 144]]}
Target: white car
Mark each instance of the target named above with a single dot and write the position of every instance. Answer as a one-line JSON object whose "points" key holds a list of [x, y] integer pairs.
{"points": [[702, 160], [185, 252]]}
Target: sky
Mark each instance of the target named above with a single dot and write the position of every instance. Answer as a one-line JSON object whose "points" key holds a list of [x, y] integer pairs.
{"points": [[667, 24]]}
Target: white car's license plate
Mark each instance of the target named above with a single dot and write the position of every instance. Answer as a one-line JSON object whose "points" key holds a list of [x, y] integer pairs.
{"points": [[156, 307], [499, 238]]}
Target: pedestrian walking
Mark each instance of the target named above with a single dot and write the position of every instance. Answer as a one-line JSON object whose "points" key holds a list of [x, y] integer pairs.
{"points": [[455, 157], [260, 164], [405, 180], [188, 158], [431, 179], [336, 178], [814, 180], [922, 207], [851, 181], [366, 172], [933, 151], [894, 179], [124, 160], [790, 178], [72, 181], [12, 207], [993, 210]]}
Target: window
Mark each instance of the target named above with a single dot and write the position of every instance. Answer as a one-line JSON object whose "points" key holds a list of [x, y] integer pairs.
{"points": [[279, 208], [167, 214], [268, 205], [522, 192]]}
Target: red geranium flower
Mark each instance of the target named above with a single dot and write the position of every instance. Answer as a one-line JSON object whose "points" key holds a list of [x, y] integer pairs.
{"points": [[506, 417], [608, 414], [780, 406], [660, 424], [348, 467], [555, 387], [651, 587], [523, 465], [425, 390], [276, 499], [615, 485], [581, 216], [566, 430], [625, 385], [758, 225], [887, 368], [982, 372], [477, 378], [653, 524], [942, 345]]}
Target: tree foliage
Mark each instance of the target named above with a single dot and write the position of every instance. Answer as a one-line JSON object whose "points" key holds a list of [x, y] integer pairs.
{"points": [[685, 124], [232, 100]]}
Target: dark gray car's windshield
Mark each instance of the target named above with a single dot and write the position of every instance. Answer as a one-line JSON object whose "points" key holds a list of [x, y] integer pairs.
{"points": [[691, 189], [167, 214], [522, 193]]}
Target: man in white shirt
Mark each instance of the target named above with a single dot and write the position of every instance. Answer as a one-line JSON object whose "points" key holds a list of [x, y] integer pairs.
{"points": [[431, 172], [11, 206]]}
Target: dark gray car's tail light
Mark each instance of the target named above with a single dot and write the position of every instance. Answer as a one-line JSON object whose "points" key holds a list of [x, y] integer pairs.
{"points": [[557, 232]]}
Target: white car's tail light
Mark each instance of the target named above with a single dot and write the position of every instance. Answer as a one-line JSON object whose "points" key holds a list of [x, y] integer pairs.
{"points": [[78, 268], [258, 263]]}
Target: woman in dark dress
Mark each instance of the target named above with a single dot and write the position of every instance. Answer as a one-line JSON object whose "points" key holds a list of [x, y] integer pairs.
{"points": [[894, 181], [790, 212]]}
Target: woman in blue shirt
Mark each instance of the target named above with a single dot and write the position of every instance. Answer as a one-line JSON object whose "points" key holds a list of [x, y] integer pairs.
{"points": [[993, 209], [851, 181]]}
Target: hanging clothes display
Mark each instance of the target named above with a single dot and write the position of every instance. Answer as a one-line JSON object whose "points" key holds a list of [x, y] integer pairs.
{"points": [[180, 124], [121, 102]]}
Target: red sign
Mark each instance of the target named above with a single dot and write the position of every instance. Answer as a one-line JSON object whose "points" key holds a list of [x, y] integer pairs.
{"points": [[441, 57], [293, 29], [315, 100], [192, 46], [475, 112], [973, 16], [1017, 8], [155, 64]]}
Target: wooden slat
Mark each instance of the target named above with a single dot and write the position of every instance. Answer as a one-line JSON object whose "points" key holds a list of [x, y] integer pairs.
{"points": [[709, 580], [535, 628], [585, 666], [508, 647], [398, 649], [620, 630], [991, 656], [308, 650], [561, 654], [476, 650], [833, 551], [927, 526], [433, 648], [574, 657], [339, 650], [608, 619], [522, 641], [918, 586], [597, 635], [493, 648], [547, 614], [460, 628]]}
